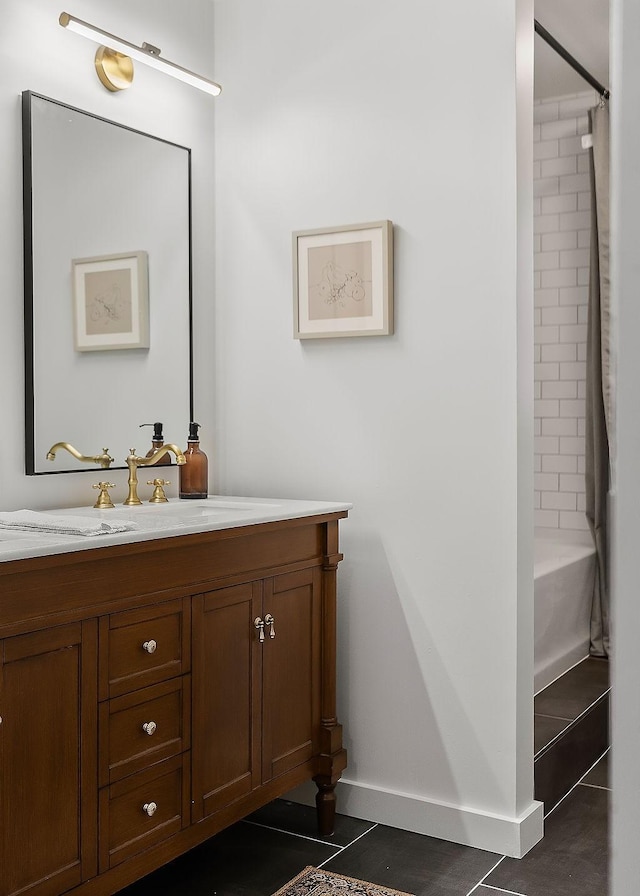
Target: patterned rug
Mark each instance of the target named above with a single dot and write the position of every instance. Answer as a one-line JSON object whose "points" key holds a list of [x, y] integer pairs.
{"points": [[314, 882]]}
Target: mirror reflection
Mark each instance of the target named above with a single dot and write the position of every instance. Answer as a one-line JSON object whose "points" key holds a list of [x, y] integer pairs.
{"points": [[107, 286]]}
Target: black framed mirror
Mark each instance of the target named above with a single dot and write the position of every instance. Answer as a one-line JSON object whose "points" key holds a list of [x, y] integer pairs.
{"points": [[107, 286]]}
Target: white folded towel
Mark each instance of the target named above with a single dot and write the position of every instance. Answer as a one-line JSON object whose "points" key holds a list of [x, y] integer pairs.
{"points": [[30, 521]]}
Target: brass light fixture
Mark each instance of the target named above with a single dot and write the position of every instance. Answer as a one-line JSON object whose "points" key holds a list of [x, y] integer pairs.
{"points": [[114, 58], [114, 69]]}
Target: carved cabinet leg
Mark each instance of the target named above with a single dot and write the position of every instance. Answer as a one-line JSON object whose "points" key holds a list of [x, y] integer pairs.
{"points": [[326, 807], [333, 758]]}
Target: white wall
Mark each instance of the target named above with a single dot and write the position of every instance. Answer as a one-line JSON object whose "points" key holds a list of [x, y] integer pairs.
{"points": [[356, 111], [37, 54], [562, 225], [625, 92], [351, 112]]}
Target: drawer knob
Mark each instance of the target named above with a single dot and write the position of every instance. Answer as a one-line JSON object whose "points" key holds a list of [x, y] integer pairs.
{"points": [[149, 728], [150, 646], [150, 809]]}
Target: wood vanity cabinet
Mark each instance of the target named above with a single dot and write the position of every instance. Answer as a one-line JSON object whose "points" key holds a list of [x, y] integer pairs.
{"points": [[153, 693], [257, 685], [48, 760]]}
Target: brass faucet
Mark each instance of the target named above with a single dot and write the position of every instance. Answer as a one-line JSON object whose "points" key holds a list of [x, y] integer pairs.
{"points": [[103, 460], [133, 462]]}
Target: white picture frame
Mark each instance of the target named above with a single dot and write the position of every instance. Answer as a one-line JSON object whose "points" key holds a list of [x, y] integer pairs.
{"points": [[111, 302], [343, 281]]}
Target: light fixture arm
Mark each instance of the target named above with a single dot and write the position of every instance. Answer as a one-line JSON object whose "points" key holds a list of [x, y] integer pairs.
{"points": [[147, 53]]}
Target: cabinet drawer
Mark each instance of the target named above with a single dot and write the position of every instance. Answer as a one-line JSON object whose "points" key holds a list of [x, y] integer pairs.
{"points": [[144, 727], [144, 646], [143, 810]]}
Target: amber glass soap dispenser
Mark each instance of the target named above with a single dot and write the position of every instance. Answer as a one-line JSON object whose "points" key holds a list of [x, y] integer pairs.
{"points": [[194, 474], [157, 442]]}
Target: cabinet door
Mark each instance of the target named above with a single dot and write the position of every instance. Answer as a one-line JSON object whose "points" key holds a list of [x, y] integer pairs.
{"points": [[226, 697], [291, 671], [48, 699]]}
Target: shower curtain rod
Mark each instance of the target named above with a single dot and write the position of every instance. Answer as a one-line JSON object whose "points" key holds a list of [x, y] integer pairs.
{"points": [[573, 62]]}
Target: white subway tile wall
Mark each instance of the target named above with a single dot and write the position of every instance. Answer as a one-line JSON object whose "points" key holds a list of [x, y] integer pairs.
{"points": [[562, 228]]}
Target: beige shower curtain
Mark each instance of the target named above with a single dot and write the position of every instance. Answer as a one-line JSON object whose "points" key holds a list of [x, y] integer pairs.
{"points": [[599, 403]]}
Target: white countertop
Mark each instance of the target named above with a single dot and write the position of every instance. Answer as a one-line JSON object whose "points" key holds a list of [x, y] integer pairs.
{"points": [[177, 517]]}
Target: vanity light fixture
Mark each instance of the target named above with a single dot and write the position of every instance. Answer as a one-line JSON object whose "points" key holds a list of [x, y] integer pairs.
{"points": [[113, 58]]}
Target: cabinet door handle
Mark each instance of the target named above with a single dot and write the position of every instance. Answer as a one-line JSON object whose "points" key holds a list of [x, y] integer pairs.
{"points": [[270, 621], [150, 809], [149, 728], [150, 646], [259, 625]]}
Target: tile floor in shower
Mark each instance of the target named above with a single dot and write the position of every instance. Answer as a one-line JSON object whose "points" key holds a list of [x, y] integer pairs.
{"points": [[259, 855]]}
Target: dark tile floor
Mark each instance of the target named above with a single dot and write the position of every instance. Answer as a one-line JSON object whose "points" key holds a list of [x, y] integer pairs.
{"points": [[571, 728], [259, 855], [569, 697]]}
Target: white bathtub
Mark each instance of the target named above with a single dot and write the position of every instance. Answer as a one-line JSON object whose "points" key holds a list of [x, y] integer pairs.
{"points": [[564, 567]]}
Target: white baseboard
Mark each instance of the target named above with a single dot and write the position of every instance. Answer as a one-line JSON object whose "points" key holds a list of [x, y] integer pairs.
{"points": [[505, 835]]}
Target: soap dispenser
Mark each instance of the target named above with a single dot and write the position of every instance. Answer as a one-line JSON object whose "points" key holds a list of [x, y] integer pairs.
{"points": [[157, 442], [194, 473]]}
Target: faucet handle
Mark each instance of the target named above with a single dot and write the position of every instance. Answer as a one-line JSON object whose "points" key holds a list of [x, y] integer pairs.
{"points": [[104, 498], [105, 460], [158, 496]]}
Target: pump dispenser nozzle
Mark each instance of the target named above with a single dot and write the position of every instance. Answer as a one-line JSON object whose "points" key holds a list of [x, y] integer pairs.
{"points": [[157, 431], [157, 442]]}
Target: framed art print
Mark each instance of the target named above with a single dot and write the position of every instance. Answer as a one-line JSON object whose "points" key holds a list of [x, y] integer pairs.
{"points": [[111, 302], [343, 281]]}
